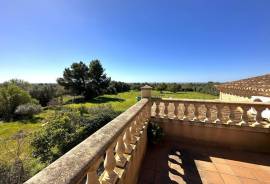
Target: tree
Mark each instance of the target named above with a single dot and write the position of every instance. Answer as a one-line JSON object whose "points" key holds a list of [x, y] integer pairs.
{"points": [[20, 83], [174, 87], [83, 80], [11, 96], [43, 93], [161, 87]]}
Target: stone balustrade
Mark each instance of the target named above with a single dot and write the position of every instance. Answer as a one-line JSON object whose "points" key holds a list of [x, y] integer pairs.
{"points": [[212, 111], [112, 154]]}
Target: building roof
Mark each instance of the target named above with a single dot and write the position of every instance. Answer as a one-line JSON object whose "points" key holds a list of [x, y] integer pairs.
{"points": [[255, 86]]}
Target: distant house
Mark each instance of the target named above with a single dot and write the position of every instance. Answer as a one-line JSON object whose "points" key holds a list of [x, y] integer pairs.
{"points": [[255, 89]]}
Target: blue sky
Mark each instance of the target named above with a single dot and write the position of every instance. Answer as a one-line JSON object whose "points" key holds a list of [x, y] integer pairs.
{"points": [[136, 40]]}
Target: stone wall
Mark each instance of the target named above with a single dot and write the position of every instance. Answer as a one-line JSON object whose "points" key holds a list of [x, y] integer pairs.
{"points": [[235, 98]]}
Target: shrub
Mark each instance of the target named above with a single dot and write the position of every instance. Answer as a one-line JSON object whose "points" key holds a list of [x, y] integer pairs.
{"points": [[66, 129], [43, 93], [11, 96], [20, 83], [117, 87], [28, 110], [154, 133], [15, 170]]}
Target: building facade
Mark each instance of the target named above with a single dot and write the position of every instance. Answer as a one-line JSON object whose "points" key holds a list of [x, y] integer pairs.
{"points": [[255, 89]]}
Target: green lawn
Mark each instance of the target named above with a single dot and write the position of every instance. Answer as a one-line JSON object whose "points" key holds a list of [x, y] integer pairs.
{"points": [[119, 102], [122, 101]]}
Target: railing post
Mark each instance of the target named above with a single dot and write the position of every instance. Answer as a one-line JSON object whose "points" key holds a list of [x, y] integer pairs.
{"points": [[146, 91]]}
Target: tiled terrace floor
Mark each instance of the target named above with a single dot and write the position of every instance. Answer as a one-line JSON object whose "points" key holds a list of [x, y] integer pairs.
{"points": [[171, 163]]}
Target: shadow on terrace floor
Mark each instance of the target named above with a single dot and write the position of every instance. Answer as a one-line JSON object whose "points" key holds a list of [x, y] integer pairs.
{"points": [[171, 163]]}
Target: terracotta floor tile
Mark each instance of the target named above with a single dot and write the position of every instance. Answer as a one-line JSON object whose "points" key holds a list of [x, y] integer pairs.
{"points": [[242, 172], [210, 177], [172, 163], [266, 168], [235, 163], [230, 179], [218, 160], [248, 181], [205, 165], [224, 169], [262, 175]]}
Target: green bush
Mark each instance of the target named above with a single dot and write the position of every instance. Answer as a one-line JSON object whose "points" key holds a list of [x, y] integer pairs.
{"points": [[16, 169], [154, 133], [28, 110], [11, 96], [43, 93], [66, 129]]}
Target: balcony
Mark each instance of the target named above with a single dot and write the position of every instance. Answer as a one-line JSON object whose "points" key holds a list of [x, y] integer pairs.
{"points": [[205, 142]]}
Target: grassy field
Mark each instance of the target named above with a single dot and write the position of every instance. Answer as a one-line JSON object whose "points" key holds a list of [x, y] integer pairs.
{"points": [[122, 101], [119, 102]]}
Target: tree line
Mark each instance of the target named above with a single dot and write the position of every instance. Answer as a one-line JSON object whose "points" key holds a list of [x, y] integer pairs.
{"points": [[20, 99], [208, 88]]}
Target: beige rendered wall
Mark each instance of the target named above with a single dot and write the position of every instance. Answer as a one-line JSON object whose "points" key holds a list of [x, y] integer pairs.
{"points": [[235, 98], [226, 136], [132, 168]]}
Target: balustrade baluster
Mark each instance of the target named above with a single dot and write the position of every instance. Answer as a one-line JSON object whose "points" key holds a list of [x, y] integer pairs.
{"points": [[92, 176], [166, 104], [244, 117], [109, 176], [157, 109], [219, 119], [231, 115], [185, 117], [120, 149], [196, 112], [259, 117], [208, 118], [148, 112], [176, 110], [137, 124], [127, 141], [133, 139], [142, 124]]}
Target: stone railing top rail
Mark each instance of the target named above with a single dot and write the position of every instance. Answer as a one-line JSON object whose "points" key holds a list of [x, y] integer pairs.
{"points": [[172, 100], [71, 167]]}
